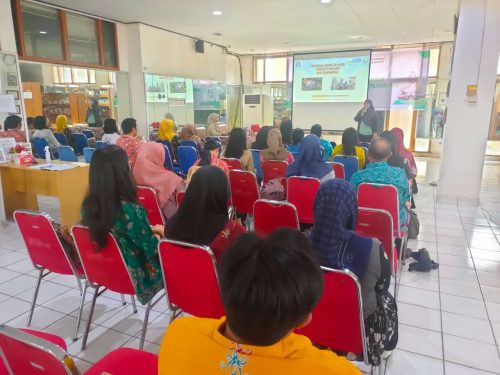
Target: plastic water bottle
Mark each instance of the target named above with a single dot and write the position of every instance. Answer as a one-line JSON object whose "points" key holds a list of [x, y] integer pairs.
{"points": [[47, 154]]}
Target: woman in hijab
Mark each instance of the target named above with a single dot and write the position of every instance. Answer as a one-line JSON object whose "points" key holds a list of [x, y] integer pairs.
{"points": [[149, 171], [202, 217], [338, 246], [166, 130], [213, 125], [367, 122], [400, 149], [310, 162], [275, 149], [62, 127], [188, 133], [261, 138]]}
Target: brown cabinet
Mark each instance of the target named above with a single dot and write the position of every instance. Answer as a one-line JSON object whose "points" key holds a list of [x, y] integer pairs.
{"points": [[32, 99]]}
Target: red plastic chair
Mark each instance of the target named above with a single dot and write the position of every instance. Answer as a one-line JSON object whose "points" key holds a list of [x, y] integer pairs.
{"points": [[47, 254], [270, 215], [233, 163], [179, 197], [244, 191], [272, 169], [40, 353], [148, 200], [191, 281], [337, 320], [339, 170], [301, 193], [106, 269]]}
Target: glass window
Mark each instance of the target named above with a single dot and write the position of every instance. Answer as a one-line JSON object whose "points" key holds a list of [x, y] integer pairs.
{"points": [[41, 31], [259, 70], [434, 62], [275, 69], [82, 39], [108, 43]]}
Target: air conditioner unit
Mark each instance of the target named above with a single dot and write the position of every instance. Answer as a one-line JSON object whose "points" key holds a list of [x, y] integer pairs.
{"points": [[257, 109]]}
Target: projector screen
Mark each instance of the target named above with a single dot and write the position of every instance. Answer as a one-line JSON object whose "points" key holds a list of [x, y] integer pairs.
{"points": [[329, 88]]}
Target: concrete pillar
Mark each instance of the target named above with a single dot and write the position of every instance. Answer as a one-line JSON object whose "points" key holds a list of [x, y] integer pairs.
{"points": [[475, 61]]}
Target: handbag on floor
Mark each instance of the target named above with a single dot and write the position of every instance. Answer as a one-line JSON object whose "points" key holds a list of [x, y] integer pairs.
{"points": [[413, 226]]}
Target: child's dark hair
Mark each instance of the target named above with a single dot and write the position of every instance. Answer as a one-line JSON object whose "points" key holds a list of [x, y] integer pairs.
{"points": [[110, 126], [12, 122], [205, 156], [128, 125], [316, 130], [297, 136], [269, 286]]}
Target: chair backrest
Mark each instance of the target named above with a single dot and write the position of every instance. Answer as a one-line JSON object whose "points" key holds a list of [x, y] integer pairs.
{"points": [[256, 163], [148, 199], [87, 154], [101, 144], [338, 168], [233, 163], [270, 215], [351, 165], [168, 163], [272, 169], [39, 145], [364, 145], [44, 247], [169, 146], [377, 224], [80, 142], [25, 353], [66, 153], [61, 138], [88, 133], [337, 320], [301, 193], [190, 276], [179, 197], [187, 157], [244, 190], [105, 267], [382, 197], [189, 143]]}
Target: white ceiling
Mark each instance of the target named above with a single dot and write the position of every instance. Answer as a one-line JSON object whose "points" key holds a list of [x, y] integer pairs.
{"points": [[263, 26]]}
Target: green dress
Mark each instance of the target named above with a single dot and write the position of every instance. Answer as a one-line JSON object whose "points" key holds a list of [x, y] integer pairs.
{"points": [[139, 247]]}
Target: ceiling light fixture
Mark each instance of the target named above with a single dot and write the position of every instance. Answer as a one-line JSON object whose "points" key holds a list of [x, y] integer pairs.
{"points": [[43, 32], [217, 13], [325, 1]]}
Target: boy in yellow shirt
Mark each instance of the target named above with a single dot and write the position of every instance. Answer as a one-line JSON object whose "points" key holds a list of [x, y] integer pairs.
{"points": [[269, 287]]}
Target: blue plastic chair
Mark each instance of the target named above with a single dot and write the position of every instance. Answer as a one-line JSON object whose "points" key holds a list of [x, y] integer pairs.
{"points": [[214, 138], [169, 146], [257, 165], [39, 145], [80, 142], [88, 133], [350, 163], [169, 163], [101, 144], [61, 138], [189, 143], [87, 154], [187, 157], [66, 153]]}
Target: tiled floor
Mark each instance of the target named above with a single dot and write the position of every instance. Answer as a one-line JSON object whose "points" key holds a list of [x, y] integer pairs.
{"points": [[449, 318]]}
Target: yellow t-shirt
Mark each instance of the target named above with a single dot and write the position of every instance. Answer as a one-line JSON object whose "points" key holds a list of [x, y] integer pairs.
{"points": [[360, 154], [196, 346]]}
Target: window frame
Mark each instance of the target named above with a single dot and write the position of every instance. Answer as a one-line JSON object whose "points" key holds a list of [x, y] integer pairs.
{"points": [[263, 58], [21, 47]]}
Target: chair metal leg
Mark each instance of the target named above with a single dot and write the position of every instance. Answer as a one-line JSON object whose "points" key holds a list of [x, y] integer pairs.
{"points": [[35, 295], [79, 284], [145, 326], [80, 312], [89, 319], [133, 304], [175, 314], [123, 300]]}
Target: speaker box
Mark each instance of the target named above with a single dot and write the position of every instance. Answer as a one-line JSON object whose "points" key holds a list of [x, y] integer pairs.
{"points": [[199, 46]]}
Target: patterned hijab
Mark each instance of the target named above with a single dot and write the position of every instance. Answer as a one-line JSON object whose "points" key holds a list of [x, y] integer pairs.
{"points": [[309, 163], [333, 237], [275, 149]]}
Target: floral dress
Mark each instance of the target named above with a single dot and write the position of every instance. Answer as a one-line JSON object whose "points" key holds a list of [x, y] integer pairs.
{"points": [[139, 247]]}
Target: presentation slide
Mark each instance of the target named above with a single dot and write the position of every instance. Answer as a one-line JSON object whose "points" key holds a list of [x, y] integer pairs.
{"points": [[340, 77]]}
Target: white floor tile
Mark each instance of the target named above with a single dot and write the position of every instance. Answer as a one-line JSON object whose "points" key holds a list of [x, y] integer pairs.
{"points": [[493, 311], [491, 294], [420, 297], [467, 327], [489, 279], [466, 306], [420, 341], [459, 288], [17, 285], [67, 302], [403, 362], [46, 292], [456, 273], [104, 309], [126, 321], [487, 266], [11, 308], [471, 353], [454, 369], [6, 275], [427, 280], [455, 261], [462, 251], [11, 257], [148, 346], [42, 318], [65, 328]]}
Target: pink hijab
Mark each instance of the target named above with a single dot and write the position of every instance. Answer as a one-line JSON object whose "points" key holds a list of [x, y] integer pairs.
{"points": [[401, 149], [150, 171]]}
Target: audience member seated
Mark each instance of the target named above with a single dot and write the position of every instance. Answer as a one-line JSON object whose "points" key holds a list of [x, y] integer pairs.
{"points": [[310, 162], [268, 287], [237, 149], [400, 149], [349, 147], [12, 128], [42, 131], [111, 205], [149, 170], [208, 156], [110, 131], [62, 128], [188, 133], [395, 160], [297, 137], [333, 237], [379, 172], [275, 149], [286, 129], [30, 122], [213, 125], [166, 131], [325, 145], [130, 141], [261, 138], [203, 217]]}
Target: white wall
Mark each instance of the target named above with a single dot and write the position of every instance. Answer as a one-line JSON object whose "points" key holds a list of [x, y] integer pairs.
{"points": [[7, 34]]}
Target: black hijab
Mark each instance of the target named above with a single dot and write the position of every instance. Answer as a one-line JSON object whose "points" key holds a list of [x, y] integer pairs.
{"points": [[203, 212]]}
